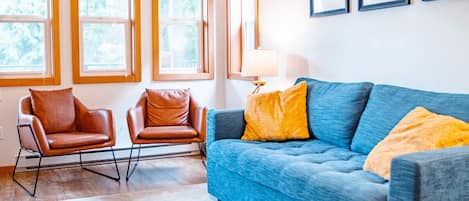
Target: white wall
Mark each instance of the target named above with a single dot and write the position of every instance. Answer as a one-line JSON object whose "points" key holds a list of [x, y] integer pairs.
{"points": [[118, 97], [424, 45]]}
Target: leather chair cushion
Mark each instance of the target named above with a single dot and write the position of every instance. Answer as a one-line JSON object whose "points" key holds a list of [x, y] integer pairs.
{"points": [[75, 139], [167, 132], [55, 109], [167, 107]]}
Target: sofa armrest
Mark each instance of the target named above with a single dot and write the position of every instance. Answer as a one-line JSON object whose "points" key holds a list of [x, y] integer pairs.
{"points": [[225, 124], [431, 176]]}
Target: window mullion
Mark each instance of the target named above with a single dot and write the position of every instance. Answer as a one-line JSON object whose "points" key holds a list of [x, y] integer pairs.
{"points": [[104, 20], [48, 51], [129, 49], [180, 21], [23, 20]]}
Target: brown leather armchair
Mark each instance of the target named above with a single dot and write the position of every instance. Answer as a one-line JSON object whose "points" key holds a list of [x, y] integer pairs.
{"points": [[92, 129], [141, 133]]}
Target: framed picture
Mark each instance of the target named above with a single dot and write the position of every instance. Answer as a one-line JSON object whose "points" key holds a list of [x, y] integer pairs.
{"points": [[364, 5], [320, 8]]}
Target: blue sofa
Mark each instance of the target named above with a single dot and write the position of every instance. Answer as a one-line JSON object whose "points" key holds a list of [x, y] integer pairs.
{"points": [[346, 120]]}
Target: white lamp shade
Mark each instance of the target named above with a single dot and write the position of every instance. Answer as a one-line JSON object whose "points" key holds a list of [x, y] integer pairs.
{"points": [[260, 63]]}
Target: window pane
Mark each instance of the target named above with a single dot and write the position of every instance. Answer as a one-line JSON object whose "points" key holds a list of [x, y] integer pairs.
{"points": [[249, 33], [104, 47], [22, 47], [104, 8], [179, 47], [24, 7], [249, 24], [249, 10], [180, 9]]}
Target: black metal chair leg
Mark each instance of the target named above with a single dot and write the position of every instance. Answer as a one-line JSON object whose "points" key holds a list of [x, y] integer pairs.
{"points": [[130, 170], [102, 174], [128, 164], [203, 154], [33, 193]]}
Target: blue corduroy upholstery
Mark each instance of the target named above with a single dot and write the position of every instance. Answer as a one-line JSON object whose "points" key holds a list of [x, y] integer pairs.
{"points": [[303, 170], [224, 124], [431, 176], [387, 105], [229, 186], [334, 109], [316, 170]]}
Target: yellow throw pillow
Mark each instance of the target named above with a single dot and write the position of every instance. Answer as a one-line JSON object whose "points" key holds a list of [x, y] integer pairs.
{"points": [[419, 130], [277, 116]]}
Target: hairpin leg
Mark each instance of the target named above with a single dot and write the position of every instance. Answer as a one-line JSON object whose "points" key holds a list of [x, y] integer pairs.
{"points": [[33, 192], [130, 170], [102, 174]]}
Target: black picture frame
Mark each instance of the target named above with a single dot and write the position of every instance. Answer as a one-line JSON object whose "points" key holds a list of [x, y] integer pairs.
{"points": [[341, 10], [388, 4]]}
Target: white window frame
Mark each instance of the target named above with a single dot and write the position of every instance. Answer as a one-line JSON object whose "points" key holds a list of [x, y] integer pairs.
{"points": [[185, 21], [48, 50], [128, 24]]}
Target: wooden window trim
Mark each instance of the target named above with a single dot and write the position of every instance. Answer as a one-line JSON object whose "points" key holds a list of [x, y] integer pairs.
{"points": [[208, 47], [234, 61], [136, 72], [54, 79]]}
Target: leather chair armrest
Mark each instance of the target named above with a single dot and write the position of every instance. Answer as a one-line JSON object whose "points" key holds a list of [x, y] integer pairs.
{"points": [[135, 122], [31, 133], [94, 121], [198, 117], [97, 121]]}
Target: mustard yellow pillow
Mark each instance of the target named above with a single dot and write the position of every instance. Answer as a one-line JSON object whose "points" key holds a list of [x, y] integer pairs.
{"points": [[419, 130], [277, 116]]}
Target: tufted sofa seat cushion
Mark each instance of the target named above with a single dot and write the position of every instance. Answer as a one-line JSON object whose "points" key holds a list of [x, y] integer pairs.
{"points": [[304, 170]]}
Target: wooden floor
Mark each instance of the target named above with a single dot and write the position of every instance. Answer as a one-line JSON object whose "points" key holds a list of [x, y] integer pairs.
{"points": [[71, 183]]}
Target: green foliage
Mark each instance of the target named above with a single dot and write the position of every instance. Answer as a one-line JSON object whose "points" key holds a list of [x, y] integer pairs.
{"points": [[22, 44]]}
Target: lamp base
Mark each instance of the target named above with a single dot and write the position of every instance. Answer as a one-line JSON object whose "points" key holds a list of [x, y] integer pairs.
{"points": [[258, 84]]}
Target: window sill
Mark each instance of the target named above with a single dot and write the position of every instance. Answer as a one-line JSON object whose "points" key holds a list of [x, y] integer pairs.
{"points": [[238, 76], [29, 82], [105, 79], [188, 76]]}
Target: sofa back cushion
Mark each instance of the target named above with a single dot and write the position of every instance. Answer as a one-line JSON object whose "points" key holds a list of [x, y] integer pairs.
{"points": [[55, 109], [334, 109], [387, 105], [167, 107]]}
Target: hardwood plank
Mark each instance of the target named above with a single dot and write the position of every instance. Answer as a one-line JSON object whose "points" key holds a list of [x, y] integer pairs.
{"points": [[71, 183], [194, 192], [6, 169]]}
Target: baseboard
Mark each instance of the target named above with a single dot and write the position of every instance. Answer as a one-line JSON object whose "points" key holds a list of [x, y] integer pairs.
{"points": [[6, 169]]}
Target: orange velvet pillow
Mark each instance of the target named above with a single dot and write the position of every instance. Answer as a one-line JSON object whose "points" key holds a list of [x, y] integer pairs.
{"points": [[167, 107], [55, 109], [277, 116], [420, 130]]}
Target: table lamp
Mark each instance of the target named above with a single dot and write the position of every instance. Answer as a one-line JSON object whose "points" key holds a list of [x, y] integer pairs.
{"points": [[260, 63]]}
